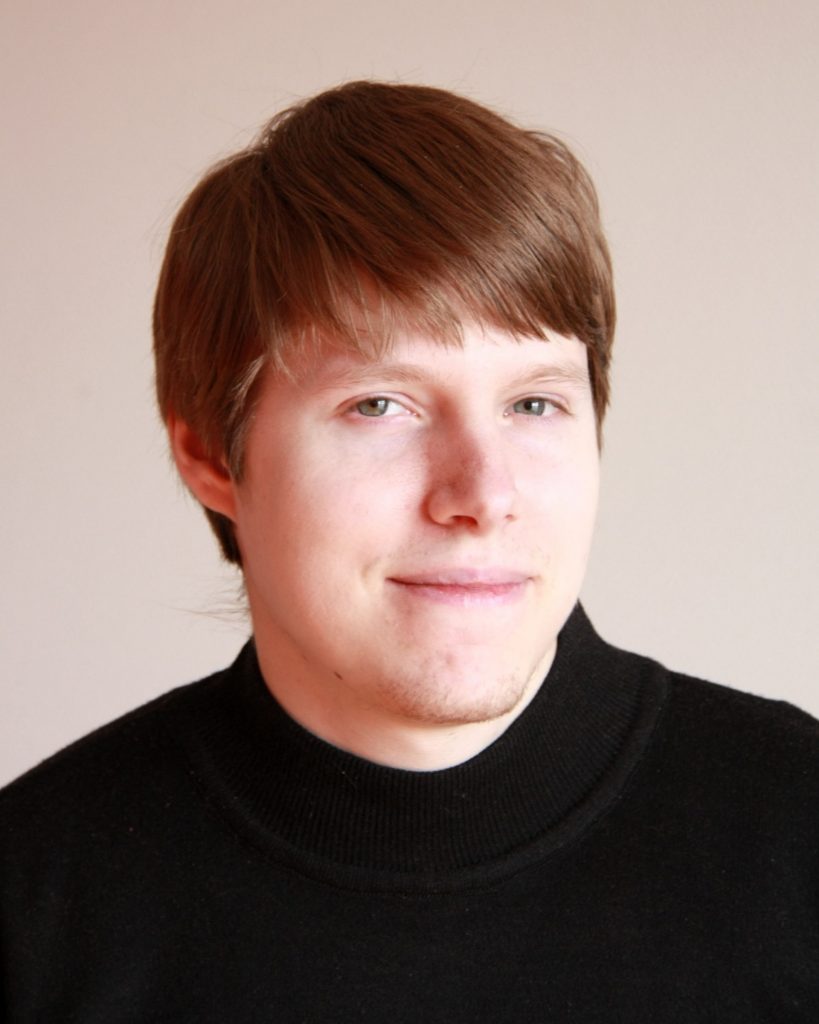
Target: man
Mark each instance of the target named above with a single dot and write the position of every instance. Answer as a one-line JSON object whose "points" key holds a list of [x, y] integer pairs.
{"points": [[426, 790]]}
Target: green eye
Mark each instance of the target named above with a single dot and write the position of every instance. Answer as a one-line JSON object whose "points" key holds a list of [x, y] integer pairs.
{"points": [[533, 406], [373, 406]]}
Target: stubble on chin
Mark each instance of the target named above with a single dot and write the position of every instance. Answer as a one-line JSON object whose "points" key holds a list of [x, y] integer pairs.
{"points": [[437, 697]]}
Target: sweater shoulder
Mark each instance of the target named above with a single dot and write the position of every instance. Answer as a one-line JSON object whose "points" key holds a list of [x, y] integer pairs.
{"points": [[108, 766], [744, 714], [726, 716], [731, 778], [748, 741]]}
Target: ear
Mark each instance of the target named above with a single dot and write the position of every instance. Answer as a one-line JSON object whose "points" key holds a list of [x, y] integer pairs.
{"points": [[207, 478]]}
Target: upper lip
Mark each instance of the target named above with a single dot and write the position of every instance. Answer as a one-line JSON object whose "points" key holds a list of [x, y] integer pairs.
{"points": [[462, 577]]}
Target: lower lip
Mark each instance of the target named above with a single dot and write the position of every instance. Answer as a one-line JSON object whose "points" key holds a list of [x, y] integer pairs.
{"points": [[474, 595]]}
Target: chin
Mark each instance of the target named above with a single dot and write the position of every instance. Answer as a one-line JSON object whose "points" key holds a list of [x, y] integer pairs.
{"points": [[445, 699]]}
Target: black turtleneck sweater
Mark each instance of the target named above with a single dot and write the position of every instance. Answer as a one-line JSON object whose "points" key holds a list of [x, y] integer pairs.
{"points": [[637, 846]]}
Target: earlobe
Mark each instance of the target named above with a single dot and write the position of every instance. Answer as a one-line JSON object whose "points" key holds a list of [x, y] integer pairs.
{"points": [[207, 477]]}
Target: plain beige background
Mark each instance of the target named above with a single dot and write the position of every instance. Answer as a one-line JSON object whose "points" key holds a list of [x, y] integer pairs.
{"points": [[698, 121]]}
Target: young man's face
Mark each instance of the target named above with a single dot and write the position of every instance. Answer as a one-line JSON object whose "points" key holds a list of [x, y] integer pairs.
{"points": [[415, 531]]}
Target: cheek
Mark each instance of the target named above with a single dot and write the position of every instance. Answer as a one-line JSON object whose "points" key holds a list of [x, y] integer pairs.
{"points": [[327, 508], [564, 480], [568, 514], [583, 500], [364, 489]]}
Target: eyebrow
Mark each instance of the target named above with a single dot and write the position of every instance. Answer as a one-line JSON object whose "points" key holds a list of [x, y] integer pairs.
{"points": [[555, 372]]}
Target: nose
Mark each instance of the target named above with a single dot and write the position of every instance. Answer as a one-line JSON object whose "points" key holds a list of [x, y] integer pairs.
{"points": [[471, 481]]}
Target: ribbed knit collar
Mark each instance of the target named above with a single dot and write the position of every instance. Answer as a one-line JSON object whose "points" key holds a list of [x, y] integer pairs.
{"points": [[337, 816]]}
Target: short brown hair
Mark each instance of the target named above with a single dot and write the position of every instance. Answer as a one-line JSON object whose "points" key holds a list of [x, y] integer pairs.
{"points": [[410, 201]]}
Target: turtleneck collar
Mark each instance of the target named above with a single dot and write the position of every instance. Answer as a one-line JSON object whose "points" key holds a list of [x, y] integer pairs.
{"points": [[334, 815]]}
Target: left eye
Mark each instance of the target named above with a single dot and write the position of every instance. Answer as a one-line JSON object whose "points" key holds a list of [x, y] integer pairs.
{"points": [[533, 407], [377, 406]]}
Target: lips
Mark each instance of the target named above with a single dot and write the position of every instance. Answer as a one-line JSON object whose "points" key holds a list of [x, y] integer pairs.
{"points": [[464, 586]]}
